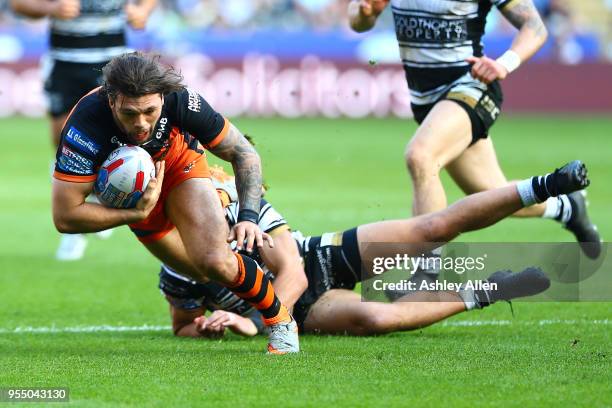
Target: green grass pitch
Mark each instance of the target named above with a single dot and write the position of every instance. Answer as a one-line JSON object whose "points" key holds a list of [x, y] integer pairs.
{"points": [[325, 175]]}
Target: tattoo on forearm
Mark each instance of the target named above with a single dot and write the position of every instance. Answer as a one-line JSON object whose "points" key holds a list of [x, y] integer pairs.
{"points": [[523, 13], [247, 167]]}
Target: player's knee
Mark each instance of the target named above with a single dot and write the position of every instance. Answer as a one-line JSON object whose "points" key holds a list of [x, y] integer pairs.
{"points": [[215, 266], [375, 322], [418, 158]]}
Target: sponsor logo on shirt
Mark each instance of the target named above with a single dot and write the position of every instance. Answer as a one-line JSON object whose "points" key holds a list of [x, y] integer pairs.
{"points": [[79, 140], [161, 128], [193, 103], [71, 154], [430, 29], [68, 165]]}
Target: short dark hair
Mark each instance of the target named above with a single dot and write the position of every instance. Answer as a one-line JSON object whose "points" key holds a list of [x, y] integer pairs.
{"points": [[137, 74]]}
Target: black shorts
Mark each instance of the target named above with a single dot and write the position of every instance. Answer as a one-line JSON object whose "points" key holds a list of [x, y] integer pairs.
{"points": [[67, 82], [483, 111], [331, 261]]}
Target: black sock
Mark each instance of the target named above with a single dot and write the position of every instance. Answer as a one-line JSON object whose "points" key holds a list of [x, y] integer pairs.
{"points": [[544, 187], [483, 298]]}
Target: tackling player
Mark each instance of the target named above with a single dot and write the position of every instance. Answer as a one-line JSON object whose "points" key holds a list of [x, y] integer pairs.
{"points": [[84, 35], [179, 218], [334, 263], [456, 97]]}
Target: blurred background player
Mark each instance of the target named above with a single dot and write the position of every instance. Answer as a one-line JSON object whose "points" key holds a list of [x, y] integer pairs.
{"points": [[83, 36], [456, 97], [335, 262]]}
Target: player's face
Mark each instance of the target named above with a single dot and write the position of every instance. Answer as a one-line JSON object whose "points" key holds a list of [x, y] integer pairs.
{"points": [[137, 117]]}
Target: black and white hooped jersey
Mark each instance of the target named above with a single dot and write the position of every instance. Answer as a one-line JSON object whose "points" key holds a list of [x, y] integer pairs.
{"points": [[96, 35], [435, 37]]}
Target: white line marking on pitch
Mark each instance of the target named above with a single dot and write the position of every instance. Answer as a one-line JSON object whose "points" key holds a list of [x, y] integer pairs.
{"points": [[85, 329], [547, 322], [155, 328]]}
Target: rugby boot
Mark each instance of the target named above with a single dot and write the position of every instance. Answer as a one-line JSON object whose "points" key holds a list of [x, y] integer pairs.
{"points": [[528, 282], [581, 226], [283, 338], [569, 178]]}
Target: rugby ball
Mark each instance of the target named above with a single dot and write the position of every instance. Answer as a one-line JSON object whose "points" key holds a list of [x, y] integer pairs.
{"points": [[124, 176]]}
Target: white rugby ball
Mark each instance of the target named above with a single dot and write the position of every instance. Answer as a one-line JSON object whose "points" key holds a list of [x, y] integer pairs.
{"points": [[124, 176]]}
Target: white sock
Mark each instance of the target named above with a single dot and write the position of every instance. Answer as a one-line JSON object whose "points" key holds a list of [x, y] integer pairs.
{"points": [[566, 209], [525, 190], [467, 295], [558, 208], [553, 207]]}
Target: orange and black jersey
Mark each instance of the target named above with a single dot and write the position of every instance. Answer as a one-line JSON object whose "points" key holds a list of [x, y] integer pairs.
{"points": [[90, 133]]}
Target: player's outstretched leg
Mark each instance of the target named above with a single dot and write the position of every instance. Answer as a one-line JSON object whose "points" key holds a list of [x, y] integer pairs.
{"points": [[253, 286], [486, 208], [507, 286], [342, 311], [477, 169], [473, 212]]}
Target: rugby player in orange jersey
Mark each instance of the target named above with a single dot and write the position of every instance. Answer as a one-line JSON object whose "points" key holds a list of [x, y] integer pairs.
{"points": [[335, 262], [179, 218]]}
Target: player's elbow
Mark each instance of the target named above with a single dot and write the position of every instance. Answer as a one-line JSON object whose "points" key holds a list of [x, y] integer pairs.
{"points": [[537, 26], [177, 330], [62, 225]]}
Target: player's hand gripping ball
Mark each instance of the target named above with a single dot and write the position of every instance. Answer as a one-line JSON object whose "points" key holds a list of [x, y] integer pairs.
{"points": [[124, 176]]}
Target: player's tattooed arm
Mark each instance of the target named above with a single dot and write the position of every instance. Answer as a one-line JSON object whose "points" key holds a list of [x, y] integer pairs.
{"points": [[523, 15], [236, 149]]}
